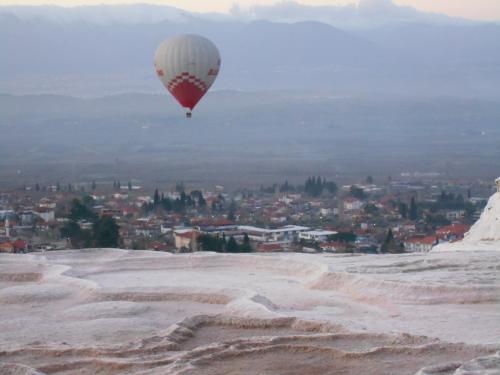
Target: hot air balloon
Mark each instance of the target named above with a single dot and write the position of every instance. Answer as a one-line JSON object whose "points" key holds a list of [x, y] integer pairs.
{"points": [[187, 65]]}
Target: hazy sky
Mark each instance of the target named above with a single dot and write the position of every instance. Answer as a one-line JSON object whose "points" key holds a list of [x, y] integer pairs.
{"points": [[473, 9]]}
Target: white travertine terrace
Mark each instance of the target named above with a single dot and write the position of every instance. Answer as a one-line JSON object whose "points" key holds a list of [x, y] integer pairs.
{"points": [[141, 312], [485, 233]]}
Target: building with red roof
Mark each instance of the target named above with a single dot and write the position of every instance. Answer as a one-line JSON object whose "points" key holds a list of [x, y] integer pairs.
{"points": [[452, 232], [420, 244]]}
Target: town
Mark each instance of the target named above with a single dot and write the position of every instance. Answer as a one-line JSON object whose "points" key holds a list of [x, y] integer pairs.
{"points": [[411, 213]]}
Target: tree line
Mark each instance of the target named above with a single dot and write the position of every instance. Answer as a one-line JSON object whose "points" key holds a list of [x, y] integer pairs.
{"points": [[104, 231], [220, 244], [313, 186]]}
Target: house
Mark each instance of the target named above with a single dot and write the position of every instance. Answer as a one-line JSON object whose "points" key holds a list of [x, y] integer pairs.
{"points": [[352, 204], [165, 229], [7, 247], [186, 239], [214, 225], [130, 211], [20, 245], [419, 244], [47, 203], [45, 213], [26, 217], [110, 212], [140, 201], [335, 247], [286, 199], [119, 196], [453, 215], [326, 211], [278, 219], [452, 232], [144, 231], [288, 233]]}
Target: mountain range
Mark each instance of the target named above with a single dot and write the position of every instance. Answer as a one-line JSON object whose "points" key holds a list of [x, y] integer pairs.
{"points": [[94, 51]]}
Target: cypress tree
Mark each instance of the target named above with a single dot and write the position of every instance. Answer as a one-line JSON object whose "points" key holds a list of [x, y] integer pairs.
{"points": [[413, 214]]}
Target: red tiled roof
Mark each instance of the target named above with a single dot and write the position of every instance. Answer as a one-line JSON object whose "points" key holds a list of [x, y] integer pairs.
{"points": [[20, 244], [429, 240], [6, 246], [189, 234], [457, 229]]}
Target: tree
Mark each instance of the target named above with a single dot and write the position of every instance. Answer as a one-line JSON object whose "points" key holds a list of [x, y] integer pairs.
{"points": [[286, 187], [232, 245], [371, 209], [105, 232], [79, 238], [344, 237], [315, 186], [166, 203], [357, 192], [224, 241], [80, 211], [389, 245], [403, 210], [469, 213], [436, 220], [331, 187], [88, 201], [246, 247], [413, 214], [156, 198], [231, 215], [201, 201], [207, 242], [179, 187]]}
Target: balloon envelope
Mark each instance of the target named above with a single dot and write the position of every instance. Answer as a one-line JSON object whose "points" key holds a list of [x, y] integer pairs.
{"points": [[187, 65]]}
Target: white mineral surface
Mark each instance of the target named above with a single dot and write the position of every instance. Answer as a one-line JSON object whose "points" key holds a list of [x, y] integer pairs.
{"points": [[485, 233], [108, 311]]}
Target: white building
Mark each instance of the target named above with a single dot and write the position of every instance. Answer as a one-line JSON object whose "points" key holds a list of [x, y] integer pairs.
{"points": [[420, 244], [287, 233], [351, 204], [45, 214], [455, 215], [326, 212], [316, 235]]}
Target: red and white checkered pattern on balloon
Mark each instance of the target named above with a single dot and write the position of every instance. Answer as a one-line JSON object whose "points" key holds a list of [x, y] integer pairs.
{"points": [[186, 77]]}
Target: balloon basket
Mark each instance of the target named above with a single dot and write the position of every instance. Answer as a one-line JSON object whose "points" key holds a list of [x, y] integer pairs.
{"points": [[189, 114]]}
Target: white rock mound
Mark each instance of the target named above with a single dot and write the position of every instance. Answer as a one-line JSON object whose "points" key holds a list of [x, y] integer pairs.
{"points": [[485, 233]]}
